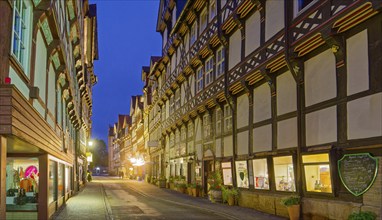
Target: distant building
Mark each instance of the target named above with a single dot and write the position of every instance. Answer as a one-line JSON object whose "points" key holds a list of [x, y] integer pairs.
{"points": [[47, 52], [271, 94]]}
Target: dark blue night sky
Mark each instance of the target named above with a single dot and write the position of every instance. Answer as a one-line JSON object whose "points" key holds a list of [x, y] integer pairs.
{"points": [[127, 38]]}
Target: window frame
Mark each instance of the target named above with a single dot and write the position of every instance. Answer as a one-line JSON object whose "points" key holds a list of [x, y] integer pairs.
{"points": [[268, 173], [212, 10], [274, 173], [199, 79], [220, 61], [203, 20], [227, 118], [193, 33], [218, 121], [209, 71]]}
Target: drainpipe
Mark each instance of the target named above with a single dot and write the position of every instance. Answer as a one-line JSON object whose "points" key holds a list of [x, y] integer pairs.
{"points": [[298, 78]]}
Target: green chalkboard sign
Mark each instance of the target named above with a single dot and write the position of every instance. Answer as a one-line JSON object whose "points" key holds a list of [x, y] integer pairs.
{"points": [[358, 172]]}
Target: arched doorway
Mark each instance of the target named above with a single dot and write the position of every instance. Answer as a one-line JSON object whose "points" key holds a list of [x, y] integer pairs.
{"points": [[208, 167]]}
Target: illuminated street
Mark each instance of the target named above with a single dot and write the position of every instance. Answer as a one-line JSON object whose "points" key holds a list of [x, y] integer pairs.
{"points": [[130, 199]]}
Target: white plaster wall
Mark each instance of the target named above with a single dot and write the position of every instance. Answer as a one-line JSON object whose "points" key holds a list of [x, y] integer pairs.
{"points": [[287, 133], [242, 111], [286, 93], [357, 60], [228, 146], [218, 147], [242, 143], [252, 33], [192, 85], [320, 78], [51, 90], [198, 129], [199, 151], [40, 65], [190, 147], [187, 41], [261, 103], [321, 126], [365, 117], [262, 138], [182, 94], [234, 49], [274, 17]]}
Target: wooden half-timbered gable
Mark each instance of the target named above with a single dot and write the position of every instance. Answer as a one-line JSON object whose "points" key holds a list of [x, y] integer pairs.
{"points": [[276, 90], [47, 54]]}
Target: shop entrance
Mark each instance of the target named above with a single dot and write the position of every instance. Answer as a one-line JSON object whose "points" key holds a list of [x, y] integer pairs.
{"points": [[208, 169]]}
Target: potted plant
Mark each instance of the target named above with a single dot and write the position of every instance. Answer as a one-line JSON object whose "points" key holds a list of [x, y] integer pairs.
{"points": [[195, 188], [362, 215], [171, 182], [230, 194], [293, 205], [181, 186], [189, 189], [215, 186], [162, 182]]}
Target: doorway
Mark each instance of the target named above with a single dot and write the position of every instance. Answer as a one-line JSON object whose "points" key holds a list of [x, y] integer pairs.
{"points": [[208, 169]]}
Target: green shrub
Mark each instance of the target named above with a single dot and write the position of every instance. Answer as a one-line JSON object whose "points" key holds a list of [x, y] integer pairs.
{"points": [[362, 215], [290, 200]]}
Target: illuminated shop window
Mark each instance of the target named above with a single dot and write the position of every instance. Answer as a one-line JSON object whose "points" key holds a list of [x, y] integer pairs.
{"points": [[317, 173], [60, 180], [284, 174], [22, 179], [242, 174], [227, 173], [52, 181], [260, 174]]}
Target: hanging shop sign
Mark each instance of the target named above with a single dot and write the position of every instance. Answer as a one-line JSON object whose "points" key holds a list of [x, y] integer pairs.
{"points": [[358, 172]]}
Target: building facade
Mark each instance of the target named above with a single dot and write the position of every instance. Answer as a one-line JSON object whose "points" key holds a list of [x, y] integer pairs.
{"points": [[47, 52], [271, 94]]}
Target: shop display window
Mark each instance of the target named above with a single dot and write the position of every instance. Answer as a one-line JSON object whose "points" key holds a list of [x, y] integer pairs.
{"points": [[67, 179], [227, 173], [317, 173], [284, 174], [260, 174], [60, 179], [52, 181], [22, 180], [242, 174]]}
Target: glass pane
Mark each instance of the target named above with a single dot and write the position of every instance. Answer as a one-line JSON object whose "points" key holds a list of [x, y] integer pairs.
{"points": [[242, 174], [284, 173], [22, 184], [52, 190], [315, 158], [260, 174], [60, 176], [317, 178]]}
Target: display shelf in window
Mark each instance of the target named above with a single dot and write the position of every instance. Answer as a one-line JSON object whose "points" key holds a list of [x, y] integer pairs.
{"points": [[317, 173], [284, 173], [260, 174]]}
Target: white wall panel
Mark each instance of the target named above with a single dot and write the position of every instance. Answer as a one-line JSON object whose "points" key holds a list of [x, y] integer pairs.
{"points": [[286, 93], [228, 146], [287, 133], [262, 138], [252, 33], [365, 117], [242, 111], [242, 143], [274, 17], [261, 103], [234, 49], [357, 60], [320, 78], [321, 126]]}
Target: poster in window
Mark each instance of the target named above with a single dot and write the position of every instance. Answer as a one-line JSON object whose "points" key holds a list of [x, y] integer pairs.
{"points": [[242, 174], [227, 173]]}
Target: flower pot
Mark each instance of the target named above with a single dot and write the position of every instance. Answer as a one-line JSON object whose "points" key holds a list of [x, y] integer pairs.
{"points": [[189, 191], [195, 192], [215, 195], [231, 200], [294, 212]]}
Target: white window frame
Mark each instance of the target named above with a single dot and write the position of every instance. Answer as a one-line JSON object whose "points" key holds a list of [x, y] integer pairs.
{"points": [[21, 33], [194, 33], [227, 118], [220, 56], [209, 71], [190, 129], [172, 105], [207, 125], [218, 121], [212, 9], [203, 20], [199, 80], [177, 99], [298, 8]]}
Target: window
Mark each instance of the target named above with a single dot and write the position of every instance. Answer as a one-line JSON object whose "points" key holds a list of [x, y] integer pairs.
{"points": [[227, 118], [177, 137], [284, 173], [220, 62], [218, 121], [52, 181], [199, 80], [183, 133], [21, 31], [212, 9], [190, 128], [260, 174], [177, 99], [242, 174], [206, 125], [209, 71], [203, 20], [21, 174], [172, 104], [60, 180], [227, 173], [300, 5], [172, 140], [317, 173], [194, 30]]}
